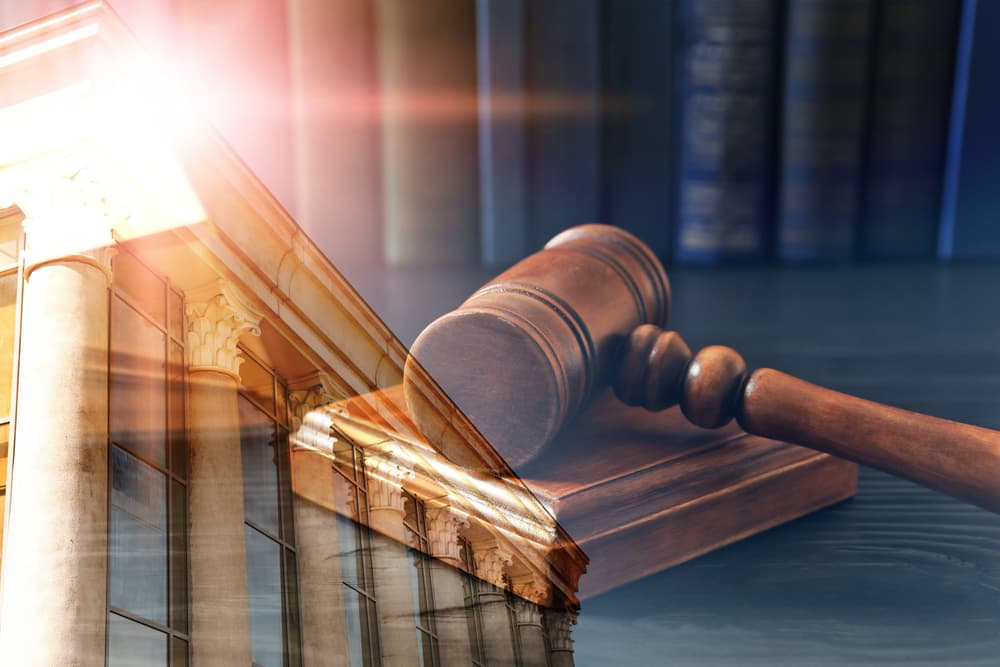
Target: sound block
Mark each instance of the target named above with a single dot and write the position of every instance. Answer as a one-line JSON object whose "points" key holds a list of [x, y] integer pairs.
{"points": [[640, 491]]}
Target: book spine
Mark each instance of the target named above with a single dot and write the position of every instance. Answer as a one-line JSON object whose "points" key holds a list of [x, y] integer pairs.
{"points": [[908, 128], [334, 85], [562, 77], [638, 49], [727, 81], [971, 204], [500, 63], [824, 108], [430, 170]]}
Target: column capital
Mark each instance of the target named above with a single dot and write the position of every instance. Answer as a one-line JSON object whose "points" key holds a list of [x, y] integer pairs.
{"points": [[443, 525], [69, 213], [529, 588], [491, 562], [217, 316], [307, 394], [385, 483], [560, 624], [528, 613]]}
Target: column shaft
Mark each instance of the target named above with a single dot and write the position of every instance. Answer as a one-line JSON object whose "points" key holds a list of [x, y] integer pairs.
{"points": [[394, 601], [498, 635], [450, 614], [55, 565], [220, 608], [321, 591], [561, 658], [533, 649], [560, 624]]}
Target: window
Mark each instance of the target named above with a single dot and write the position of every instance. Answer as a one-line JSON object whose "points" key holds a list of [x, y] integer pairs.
{"points": [[272, 571], [10, 282], [147, 519], [474, 614], [415, 527], [351, 489], [511, 601]]}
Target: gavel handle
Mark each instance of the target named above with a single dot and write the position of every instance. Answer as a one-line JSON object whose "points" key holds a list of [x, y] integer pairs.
{"points": [[656, 370]]}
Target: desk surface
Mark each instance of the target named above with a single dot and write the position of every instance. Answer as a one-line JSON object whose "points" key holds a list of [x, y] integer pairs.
{"points": [[899, 575]]}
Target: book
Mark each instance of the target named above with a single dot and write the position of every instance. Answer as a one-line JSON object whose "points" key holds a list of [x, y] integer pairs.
{"points": [[427, 74], [826, 69], [971, 207], [727, 80], [638, 52], [562, 79], [337, 147], [908, 127], [502, 178]]}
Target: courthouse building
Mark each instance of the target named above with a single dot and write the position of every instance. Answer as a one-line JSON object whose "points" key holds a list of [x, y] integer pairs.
{"points": [[207, 456]]}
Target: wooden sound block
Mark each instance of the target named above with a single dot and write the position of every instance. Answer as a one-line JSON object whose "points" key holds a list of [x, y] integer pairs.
{"points": [[640, 491]]}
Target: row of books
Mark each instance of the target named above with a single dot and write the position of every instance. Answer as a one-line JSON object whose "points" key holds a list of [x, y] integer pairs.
{"points": [[717, 130], [817, 130]]}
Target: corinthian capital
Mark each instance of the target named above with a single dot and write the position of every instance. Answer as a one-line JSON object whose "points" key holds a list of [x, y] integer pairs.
{"points": [[217, 316], [68, 213], [560, 624], [385, 483], [442, 532], [308, 394], [528, 613], [530, 588], [491, 563]]}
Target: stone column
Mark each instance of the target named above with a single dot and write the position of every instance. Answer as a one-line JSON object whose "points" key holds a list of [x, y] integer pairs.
{"points": [[321, 593], [498, 633], [390, 562], [450, 614], [220, 610], [560, 639], [55, 562], [529, 628]]}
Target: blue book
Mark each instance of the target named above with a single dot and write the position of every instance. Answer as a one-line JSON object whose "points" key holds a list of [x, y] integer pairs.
{"points": [[727, 77], [908, 127], [970, 212], [638, 46], [502, 102], [823, 113]]}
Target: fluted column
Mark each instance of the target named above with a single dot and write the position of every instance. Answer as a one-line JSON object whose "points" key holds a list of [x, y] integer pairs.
{"points": [[220, 609], [394, 600], [492, 561], [319, 554], [560, 624], [450, 615], [55, 565]]}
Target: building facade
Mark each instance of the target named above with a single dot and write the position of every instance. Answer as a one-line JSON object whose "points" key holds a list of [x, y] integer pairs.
{"points": [[207, 458]]}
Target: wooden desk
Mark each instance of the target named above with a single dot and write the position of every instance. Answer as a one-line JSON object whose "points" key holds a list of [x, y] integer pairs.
{"points": [[898, 575]]}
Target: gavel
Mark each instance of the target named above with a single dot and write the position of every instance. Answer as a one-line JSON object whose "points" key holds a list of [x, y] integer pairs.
{"points": [[526, 352]]}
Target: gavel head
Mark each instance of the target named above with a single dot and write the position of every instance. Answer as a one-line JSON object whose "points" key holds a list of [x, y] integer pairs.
{"points": [[524, 353]]}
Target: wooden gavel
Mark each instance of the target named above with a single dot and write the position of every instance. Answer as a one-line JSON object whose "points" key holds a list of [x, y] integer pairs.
{"points": [[525, 353]]}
